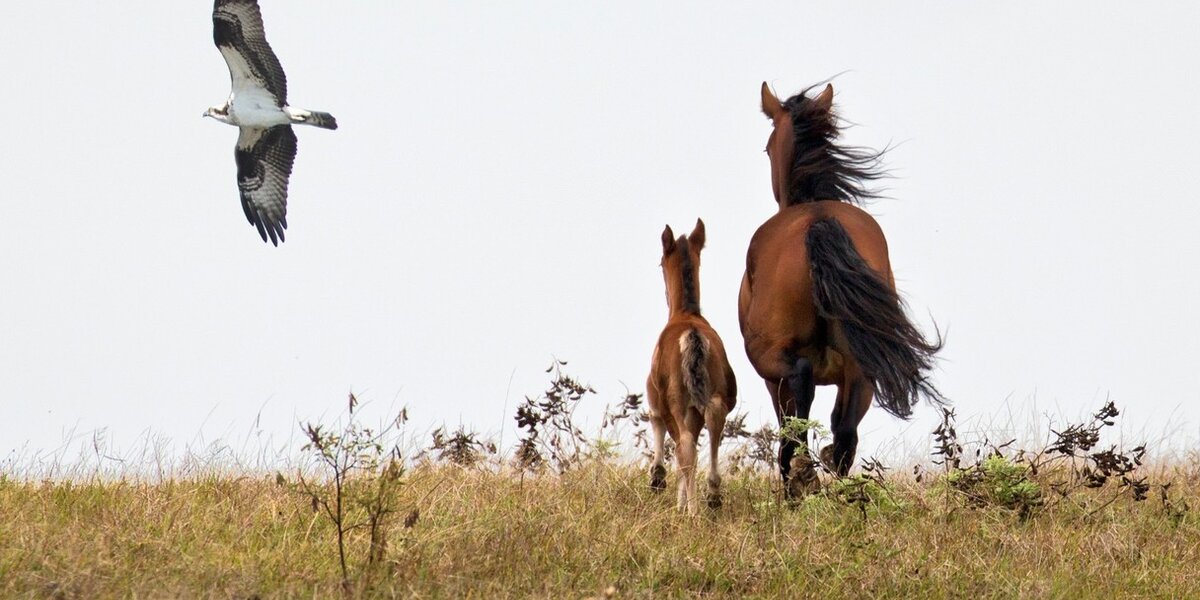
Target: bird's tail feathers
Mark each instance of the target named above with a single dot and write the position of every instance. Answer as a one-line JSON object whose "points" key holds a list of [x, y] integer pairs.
{"points": [[323, 120]]}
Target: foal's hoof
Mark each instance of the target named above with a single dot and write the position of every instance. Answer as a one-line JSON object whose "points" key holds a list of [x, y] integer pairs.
{"points": [[714, 500], [658, 478]]}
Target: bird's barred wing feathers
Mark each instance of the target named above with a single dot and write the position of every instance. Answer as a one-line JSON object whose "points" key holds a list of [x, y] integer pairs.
{"points": [[239, 35], [264, 164]]}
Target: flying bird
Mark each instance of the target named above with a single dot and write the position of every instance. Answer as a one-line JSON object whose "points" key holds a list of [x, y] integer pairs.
{"points": [[257, 105]]}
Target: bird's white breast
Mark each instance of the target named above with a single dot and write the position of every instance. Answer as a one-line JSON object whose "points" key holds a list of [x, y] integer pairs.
{"points": [[255, 108]]}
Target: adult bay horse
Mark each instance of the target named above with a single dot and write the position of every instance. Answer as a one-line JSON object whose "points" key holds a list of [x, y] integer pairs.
{"points": [[818, 303], [691, 384]]}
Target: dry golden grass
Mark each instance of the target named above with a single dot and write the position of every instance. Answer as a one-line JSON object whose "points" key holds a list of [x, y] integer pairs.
{"points": [[593, 531]]}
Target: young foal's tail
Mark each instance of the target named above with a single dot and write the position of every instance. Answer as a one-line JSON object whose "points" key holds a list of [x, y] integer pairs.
{"points": [[694, 349], [887, 346]]}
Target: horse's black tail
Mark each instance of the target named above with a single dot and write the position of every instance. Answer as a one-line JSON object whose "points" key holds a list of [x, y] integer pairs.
{"points": [[887, 346], [694, 349]]}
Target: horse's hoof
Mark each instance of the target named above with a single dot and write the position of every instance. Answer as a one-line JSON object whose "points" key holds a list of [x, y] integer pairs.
{"points": [[799, 487], [804, 479], [658, 478], [827, 456], [714, 501]]}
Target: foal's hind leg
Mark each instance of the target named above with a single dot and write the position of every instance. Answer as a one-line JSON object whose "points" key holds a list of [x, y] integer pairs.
{"points": [[685, 455], [853, 400], [715, 419], [658, 473]]}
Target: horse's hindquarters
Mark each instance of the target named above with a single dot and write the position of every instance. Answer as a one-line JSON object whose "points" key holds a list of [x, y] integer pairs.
{"points": [[779, 318]]}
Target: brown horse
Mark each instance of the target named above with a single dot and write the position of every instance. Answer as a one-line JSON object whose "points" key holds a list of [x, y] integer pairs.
{"points": [[818, 304], [690, 384]]}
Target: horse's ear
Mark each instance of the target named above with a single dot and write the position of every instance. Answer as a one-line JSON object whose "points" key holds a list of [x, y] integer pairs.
{"points": [[668, 239], [770, 104], [824, 100], [696, 238]]}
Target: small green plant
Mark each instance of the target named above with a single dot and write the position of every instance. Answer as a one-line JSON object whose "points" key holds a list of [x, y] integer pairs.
{"points": [[869, 491], [1009, 483], [997, 481], [1022, 482], [809, 434], [361, 475], [798, 430]]}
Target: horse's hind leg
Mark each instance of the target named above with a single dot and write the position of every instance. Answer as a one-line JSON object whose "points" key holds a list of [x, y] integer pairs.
{"points": [[788, 403], [853, 400], [715, 420], [658, 473], [802, 387]]}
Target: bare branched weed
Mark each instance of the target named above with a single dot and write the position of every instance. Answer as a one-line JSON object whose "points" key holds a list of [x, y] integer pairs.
{"points": [[361, 470], [549, 434], [751, 451], [626, 420], [461, 447]]}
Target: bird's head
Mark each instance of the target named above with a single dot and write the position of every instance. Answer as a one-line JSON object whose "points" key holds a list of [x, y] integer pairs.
{"points": [[220, 113]]}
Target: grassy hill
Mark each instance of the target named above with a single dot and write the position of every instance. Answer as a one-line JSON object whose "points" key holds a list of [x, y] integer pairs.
{"points": [[564, 516], [596, 530]]}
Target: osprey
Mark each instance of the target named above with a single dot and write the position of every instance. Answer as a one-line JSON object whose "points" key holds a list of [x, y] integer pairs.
{"points": [[257, 105]]}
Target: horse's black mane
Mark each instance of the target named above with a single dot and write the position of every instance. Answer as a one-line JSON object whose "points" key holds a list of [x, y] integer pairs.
{"points": [[691, 295], [822, 169]]}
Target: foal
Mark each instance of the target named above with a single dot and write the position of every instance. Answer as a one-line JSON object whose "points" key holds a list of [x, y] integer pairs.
{"points": [[690, 383]]}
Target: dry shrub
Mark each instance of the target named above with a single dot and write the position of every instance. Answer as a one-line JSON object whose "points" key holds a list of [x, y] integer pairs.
{"points": [[546, 419]]}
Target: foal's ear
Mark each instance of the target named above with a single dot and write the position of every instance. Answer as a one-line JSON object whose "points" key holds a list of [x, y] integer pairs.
{"points": [[824, 100], [696, 238], [668, 239], [770, 104]]}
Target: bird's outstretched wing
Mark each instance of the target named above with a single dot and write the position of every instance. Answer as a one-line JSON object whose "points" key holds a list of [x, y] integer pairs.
{"points": [[264, 164], [238, 33]]}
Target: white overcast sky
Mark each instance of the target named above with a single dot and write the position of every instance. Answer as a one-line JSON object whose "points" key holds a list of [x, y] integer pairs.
{"points": [[495, 195]]}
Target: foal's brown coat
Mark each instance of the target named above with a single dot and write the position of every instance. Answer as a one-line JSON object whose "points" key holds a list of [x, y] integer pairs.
{"points": [[691, 384]]}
